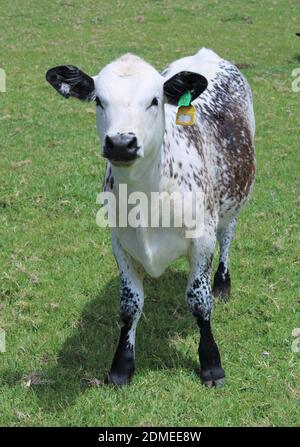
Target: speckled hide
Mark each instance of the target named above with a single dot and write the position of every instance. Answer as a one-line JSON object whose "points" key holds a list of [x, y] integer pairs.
{"points": [[216, 155]]}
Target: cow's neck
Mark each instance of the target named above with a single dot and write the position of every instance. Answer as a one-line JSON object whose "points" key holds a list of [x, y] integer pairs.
{"points": [[145, 176]]}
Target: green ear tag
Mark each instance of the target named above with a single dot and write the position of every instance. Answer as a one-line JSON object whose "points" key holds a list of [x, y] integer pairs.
{"points": [[186, 114], [185, 99]]}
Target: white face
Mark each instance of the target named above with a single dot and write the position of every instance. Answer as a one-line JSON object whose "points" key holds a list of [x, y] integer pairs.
{"points": [[130, 101]]}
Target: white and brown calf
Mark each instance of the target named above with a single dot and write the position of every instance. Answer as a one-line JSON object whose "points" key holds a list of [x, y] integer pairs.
{"points": [[147, 151]]}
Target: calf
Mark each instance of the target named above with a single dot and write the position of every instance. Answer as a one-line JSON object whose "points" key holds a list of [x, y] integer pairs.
{"points": [[136, 108]]}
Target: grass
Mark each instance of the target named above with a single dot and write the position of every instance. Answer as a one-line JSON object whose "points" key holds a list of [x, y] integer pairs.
{"points": [[59, 285]]}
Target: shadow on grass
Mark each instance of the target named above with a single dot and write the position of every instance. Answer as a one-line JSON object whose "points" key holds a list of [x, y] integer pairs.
{"points": [[88, 353], [296, 58]]}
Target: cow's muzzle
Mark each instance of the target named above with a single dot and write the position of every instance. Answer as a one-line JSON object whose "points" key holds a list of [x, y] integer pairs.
{"points": [[122, 147]]}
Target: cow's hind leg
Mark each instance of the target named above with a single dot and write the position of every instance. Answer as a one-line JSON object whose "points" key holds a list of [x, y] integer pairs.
{"points": [[199, 300], [131, 305], [222, 283]]}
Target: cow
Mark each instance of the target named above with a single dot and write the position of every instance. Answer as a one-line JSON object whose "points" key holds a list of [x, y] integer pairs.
{"points": [[147, 151]]}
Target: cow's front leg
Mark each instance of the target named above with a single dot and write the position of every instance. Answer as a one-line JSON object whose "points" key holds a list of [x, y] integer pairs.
{"points": [[199, 300], [131, 305]]}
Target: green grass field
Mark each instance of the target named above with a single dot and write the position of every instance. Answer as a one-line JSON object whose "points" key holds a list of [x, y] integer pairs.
{"points": [[58, 278]]}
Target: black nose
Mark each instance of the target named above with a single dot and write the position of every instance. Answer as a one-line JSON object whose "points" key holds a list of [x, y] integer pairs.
{"points": [[121, 147]]}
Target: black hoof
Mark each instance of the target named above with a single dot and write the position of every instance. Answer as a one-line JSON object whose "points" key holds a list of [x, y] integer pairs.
{"points": [[117, 379], [221, 286], [213, 377]]}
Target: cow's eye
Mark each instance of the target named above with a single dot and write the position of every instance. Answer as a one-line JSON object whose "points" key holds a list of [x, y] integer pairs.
{"points": [[99, 103], [154, 102]]}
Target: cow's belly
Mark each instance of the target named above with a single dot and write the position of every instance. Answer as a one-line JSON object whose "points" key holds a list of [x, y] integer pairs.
{"points": [[154, 248]]}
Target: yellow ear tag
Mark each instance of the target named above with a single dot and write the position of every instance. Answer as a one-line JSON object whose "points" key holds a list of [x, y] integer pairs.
{"points": [[186, 115]]}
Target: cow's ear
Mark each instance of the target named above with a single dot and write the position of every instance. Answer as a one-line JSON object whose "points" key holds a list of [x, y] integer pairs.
{"points": [[182, 82], [70, 81]]}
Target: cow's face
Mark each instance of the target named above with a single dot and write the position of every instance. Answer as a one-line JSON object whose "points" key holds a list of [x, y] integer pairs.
{"points": [[130, 110], [130, 96]]}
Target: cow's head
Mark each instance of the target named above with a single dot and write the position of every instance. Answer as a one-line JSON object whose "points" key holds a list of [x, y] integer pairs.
{"points": [[130, 96]]}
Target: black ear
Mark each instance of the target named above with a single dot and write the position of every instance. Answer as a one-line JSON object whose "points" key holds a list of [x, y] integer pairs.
{"points": [[182, 82], [70, 81]]}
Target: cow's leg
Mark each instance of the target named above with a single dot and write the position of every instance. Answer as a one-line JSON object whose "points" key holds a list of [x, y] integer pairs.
{"points": [[222, 283], [199, 300], [131, 305]]}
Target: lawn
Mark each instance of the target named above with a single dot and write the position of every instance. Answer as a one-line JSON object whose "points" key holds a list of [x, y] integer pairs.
{"points": [[58, 278]]}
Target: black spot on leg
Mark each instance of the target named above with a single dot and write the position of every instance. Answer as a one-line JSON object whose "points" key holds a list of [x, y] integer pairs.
{"points": [[222, 283]]}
